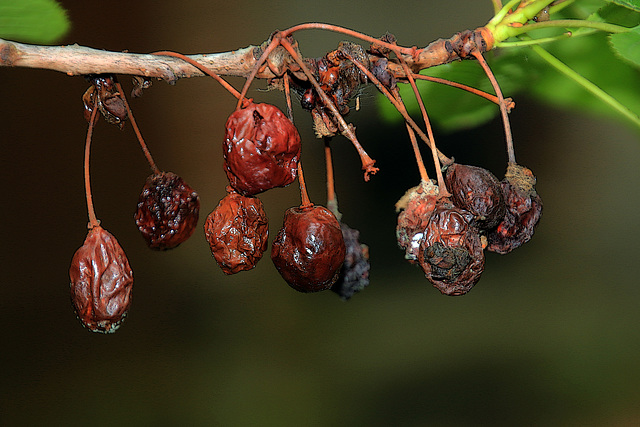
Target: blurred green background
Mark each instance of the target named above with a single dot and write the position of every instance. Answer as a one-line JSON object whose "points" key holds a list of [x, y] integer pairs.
{"points": [[549, 336]]}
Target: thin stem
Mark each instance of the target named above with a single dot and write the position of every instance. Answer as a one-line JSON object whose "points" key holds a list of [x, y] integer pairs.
{"points": [[202, 68], [424, 176], [287, 95], [93, 221], [587, 84], [303, 188], [522, 43], [485, 95], [331, 191], [143, 145], [425, 116], [497, 5], [263, 58], [568, 23], [503, 108], [337, 29], [499, 16]]}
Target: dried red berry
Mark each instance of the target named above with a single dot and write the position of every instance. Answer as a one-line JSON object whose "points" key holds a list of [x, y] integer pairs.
{"points": [[237, 232], [417, 206], [478, 191], [261, 149], [354, 273], [524, 208], [309, 249], [168, 211], [451, 253], [101, 282]]}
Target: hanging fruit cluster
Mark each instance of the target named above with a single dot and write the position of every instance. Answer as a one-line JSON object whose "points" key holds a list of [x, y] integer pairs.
{"points": [[444, 226]]}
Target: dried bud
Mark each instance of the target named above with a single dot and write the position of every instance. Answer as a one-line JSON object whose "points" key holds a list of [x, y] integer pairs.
{"points": [[417, 206], [309, 249], [261, 149], [101, 282], [237, 232], [451, 253], [354, 274], [524, 209], [478, 191], [168, 211]]}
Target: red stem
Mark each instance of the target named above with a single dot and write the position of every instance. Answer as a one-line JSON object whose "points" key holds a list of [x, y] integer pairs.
{"points": [[202, 68], [143, 145], [93, 221], [503, 107], [331, 191], [303, 188]]}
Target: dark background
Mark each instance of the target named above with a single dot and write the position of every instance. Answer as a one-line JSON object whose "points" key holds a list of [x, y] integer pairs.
{"points": [[549, 336]]}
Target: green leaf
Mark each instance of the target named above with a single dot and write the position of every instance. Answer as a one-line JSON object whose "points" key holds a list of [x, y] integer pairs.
{"points": [[33, 21], [627, 45], [629, 4]]}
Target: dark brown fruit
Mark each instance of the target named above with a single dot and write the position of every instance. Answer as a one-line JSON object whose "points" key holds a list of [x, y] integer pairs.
{"points": [[354, 273], [478, 191], [237, 232], [261, 149], [417, 206], [524, 209], [451, 253], [168, 211], [309, 249], [101, 282]]}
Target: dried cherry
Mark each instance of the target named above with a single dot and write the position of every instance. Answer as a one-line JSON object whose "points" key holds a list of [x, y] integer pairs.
{"points": [[417, 206], [354, 273], [309, 249], [451, 254], [478, 191], [524, 209], [261, 149], [237, 231], [101, 282], [167, 212]]}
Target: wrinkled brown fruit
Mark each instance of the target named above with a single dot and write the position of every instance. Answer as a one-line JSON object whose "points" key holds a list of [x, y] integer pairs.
{"points": [[261, 149], [168, 211], [354, 273], [237, 231], [478, 191], [309, 249], [451, 253], [524, 209], [101, 282], [417, 206]]}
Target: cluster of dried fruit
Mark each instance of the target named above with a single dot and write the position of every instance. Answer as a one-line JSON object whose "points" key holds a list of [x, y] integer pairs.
{"points": [[261, 152], [446, 235]]}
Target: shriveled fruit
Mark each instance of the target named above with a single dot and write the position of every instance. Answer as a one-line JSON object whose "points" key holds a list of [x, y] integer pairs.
{"points": [[167, 212], [101, 282], [354, 273], [417, 205], [524, 209], [478, 191], [261, 149], [309, 249], [450, 252], [237, 231]]}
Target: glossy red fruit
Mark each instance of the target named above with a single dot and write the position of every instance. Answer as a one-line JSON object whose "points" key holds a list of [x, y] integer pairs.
{"points": [[261, 149], [478, 191], [524, 209], [450, 252], [309, 249], [168, 211], [101, 282], [416, 207], [237, 231]]}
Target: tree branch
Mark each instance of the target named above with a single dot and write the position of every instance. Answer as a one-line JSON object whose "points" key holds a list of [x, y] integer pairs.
{"points": [[79, 60]]}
